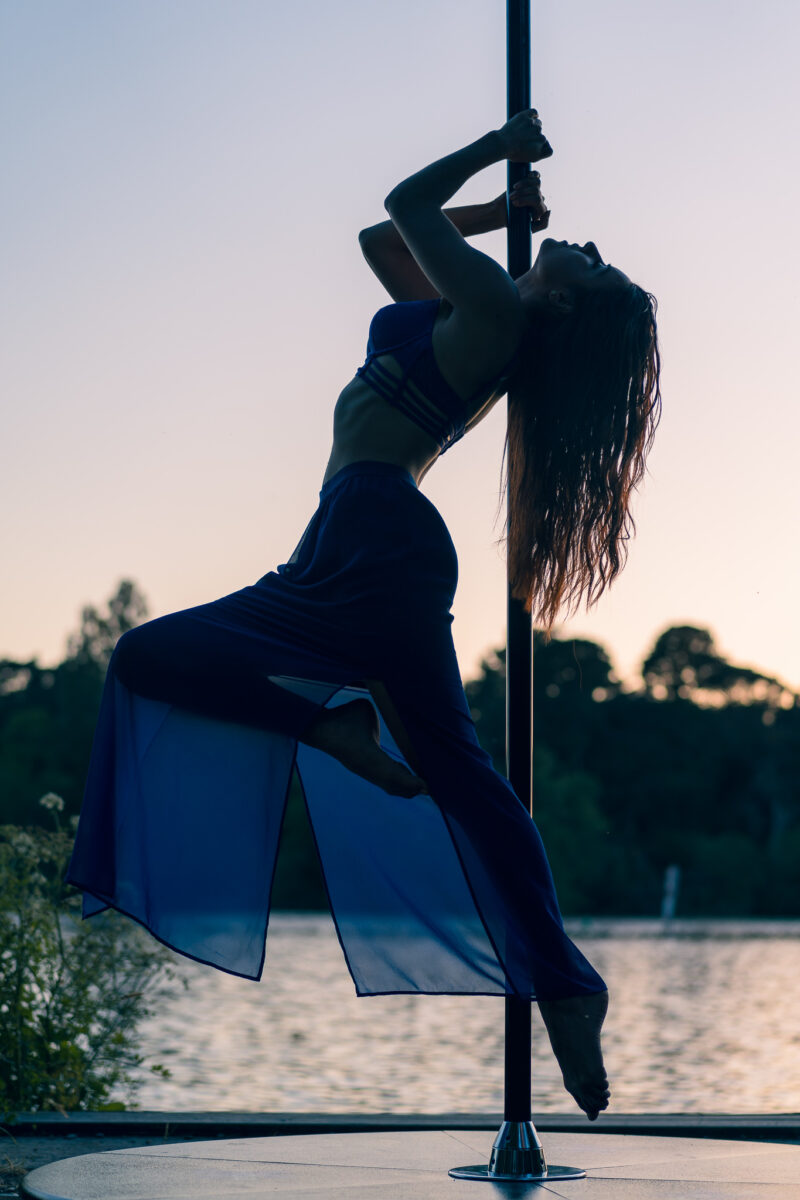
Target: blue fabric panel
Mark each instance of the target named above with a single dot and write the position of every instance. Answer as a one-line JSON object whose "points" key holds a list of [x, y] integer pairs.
{"points": [[404, 912], [195, 837]]}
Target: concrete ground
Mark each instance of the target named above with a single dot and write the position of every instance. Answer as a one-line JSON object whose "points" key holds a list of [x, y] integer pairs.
{"points": [[410, 1166], [18, 1155]]}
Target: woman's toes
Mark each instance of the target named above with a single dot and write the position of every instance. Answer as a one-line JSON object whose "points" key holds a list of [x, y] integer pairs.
{"points": [[591, 1098]]}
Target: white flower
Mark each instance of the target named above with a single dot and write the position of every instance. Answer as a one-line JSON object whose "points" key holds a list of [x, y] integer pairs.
{"points": [[53, 802], [22, 842]]}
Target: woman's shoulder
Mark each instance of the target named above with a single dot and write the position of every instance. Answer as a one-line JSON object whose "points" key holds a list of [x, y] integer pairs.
{"points": [[470, 347]]}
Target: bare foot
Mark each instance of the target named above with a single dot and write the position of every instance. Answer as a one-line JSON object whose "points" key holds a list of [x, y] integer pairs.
{"points": [[350, 733], [573, 1026]]}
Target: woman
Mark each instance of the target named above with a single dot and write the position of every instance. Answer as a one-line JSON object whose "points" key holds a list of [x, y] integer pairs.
{"points": [[342, 661]]}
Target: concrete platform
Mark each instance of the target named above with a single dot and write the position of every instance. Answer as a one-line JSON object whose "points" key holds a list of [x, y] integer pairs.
{"points": [[414, 1166]]}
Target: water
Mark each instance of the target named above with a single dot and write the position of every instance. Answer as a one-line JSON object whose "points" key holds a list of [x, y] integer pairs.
{"points": [[702, 1019]]}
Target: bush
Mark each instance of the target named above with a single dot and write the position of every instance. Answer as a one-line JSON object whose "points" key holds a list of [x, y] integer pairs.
{"points": [[72, 992]]}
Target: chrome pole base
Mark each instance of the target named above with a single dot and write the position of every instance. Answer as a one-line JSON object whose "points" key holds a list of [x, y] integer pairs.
{"points": [[517, 1155]]}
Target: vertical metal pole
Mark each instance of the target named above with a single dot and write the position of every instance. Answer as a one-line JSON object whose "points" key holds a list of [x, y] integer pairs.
{"points": [[519, 677], [517, 1152]]}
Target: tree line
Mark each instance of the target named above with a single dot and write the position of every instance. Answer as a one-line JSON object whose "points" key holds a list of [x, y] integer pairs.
{"points": [[698, 768]]}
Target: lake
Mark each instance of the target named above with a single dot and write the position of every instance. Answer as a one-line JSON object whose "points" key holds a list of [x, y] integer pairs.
{"points": [[704, 1017]]}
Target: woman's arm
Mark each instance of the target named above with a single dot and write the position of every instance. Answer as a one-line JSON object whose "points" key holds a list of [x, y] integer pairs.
{"points": [[391, 260], [475, 284], [394, 264]]}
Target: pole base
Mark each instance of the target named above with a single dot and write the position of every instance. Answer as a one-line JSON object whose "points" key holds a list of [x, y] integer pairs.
{"points": [[550, 1175], [517, 1155]]}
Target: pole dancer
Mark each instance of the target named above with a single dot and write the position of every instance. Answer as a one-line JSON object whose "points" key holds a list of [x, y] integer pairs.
{"points": [[341, 661]]}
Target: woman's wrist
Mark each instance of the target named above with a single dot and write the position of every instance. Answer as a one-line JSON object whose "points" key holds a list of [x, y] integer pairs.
{"points": [[473, 219], [499, 211], [494, 145]]}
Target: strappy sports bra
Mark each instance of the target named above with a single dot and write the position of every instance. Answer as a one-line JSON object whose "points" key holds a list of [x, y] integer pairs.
{"points": [[420, 391]]}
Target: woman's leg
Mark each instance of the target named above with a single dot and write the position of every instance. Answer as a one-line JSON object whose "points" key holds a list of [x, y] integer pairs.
{"points": [[504, 859], [210, 670]]}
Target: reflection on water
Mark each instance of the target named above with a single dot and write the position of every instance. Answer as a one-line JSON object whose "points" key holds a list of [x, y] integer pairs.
{"points": [[702, 1023]]}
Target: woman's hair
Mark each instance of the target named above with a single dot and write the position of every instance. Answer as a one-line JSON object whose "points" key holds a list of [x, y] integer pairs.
{"points": [[585, 403]]}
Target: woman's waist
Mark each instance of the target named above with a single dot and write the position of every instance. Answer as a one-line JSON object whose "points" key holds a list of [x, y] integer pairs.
{"points": [[376, 470], [367, 428]]}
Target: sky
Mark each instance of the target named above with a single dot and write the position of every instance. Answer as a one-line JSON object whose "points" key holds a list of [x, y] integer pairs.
{"points": [[183, 295]]}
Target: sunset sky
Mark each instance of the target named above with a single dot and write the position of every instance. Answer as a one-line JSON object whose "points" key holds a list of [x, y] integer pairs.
{"points": [[183, 293]]}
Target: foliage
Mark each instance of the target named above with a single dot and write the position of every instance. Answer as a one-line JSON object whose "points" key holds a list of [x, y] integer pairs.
{"points": [[99, 633], [298, 883], [47, 715], [72, 992], [576, 832], [701, 768]]}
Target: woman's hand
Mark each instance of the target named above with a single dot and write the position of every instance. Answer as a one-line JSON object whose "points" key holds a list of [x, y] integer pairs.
{"points": [[522, 138], [527, 193]]}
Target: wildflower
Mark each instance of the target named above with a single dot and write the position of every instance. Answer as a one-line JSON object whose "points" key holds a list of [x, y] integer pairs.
{"points": [[53, 802], [22, 842]]}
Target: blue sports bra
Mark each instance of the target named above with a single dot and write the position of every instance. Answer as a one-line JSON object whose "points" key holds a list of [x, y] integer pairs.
{"points": [[420, 391]]}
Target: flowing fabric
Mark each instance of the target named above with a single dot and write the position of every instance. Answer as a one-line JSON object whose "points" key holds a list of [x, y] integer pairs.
{"points": [[197, 739]]}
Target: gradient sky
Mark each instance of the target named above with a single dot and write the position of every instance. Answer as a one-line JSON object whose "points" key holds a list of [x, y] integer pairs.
{"points": [[183, 295]]}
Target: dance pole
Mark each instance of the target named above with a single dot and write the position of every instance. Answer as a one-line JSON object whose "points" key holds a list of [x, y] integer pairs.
{"points": [[517, 1152]]}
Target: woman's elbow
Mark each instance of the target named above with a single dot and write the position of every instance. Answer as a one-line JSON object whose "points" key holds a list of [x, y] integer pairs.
{"points": [[370, 241], [394, 201]]}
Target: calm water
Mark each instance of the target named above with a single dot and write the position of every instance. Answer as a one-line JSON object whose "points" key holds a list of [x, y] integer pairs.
{"points": [[703, 1020]]}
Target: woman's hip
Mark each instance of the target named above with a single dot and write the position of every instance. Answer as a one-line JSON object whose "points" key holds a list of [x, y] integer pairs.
{"points": [[375, 543]]}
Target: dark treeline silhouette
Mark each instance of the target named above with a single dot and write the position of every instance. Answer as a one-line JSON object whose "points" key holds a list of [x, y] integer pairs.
{"points": [[699, 768]]}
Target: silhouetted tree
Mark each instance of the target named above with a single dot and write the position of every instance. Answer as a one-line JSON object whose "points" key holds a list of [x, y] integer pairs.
{"points": [[671, 777], [685, 664], [99, 633], [572, 669], [574, 672], [48, 714]]}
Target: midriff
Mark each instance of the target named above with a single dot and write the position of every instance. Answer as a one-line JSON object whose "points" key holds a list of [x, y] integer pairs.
{"points": [[366, 428]]}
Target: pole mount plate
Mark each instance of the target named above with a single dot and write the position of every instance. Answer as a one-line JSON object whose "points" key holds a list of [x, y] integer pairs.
{"points": [[483, 1173]]}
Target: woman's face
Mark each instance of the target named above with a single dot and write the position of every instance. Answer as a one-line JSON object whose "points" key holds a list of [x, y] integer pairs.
{"points": [[562, 267]]}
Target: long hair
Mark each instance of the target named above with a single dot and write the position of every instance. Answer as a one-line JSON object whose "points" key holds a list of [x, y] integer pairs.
{"points": [[585, 403]]}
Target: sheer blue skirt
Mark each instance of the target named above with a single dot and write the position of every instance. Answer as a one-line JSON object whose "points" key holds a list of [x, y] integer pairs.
{"points": [[196, 742]]}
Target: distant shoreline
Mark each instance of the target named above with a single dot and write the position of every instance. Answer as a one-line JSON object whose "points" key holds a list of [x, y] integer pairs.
{"points": [[687, 927], [697, 927]]}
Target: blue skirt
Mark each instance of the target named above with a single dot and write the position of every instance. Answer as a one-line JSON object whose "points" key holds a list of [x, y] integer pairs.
{"points": [[196, 741]]}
